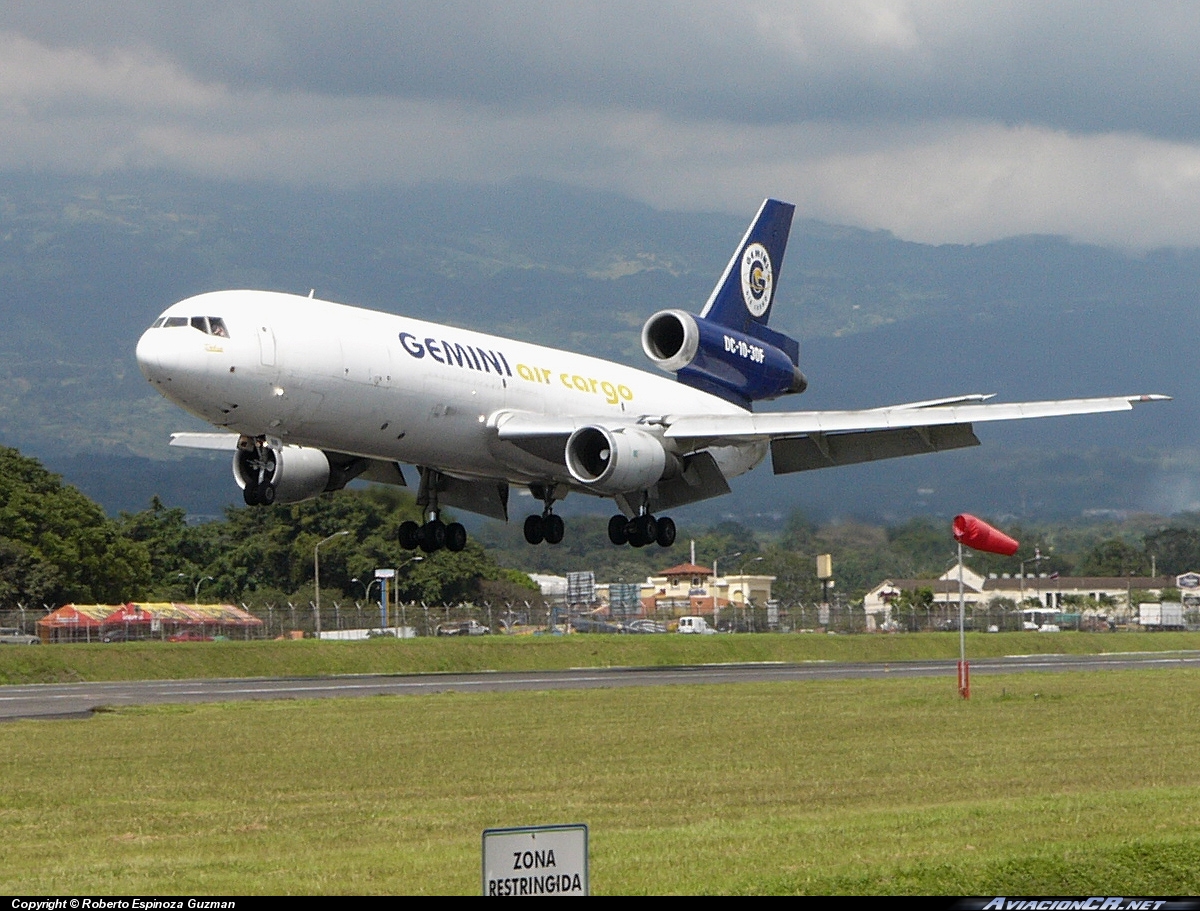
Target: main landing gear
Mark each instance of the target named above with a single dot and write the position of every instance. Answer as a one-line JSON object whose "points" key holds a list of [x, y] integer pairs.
{"points": [[547, 527], [641, 530], [434, 534]]}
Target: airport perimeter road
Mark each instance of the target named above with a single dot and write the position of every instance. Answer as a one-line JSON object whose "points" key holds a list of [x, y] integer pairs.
{"points": [[78, 700]]}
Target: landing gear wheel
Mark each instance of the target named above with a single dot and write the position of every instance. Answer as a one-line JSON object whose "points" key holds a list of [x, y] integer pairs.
{"points": [[456, 537], [554, 529], [534, 530], [410, 535], [666, 532], [632, 535], [647, 529], [266, 494], [250, 495], [433, 536], [616, 530]]}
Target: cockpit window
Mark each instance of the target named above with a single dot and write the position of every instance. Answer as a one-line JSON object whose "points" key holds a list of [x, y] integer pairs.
{"points": [[209, 325]]}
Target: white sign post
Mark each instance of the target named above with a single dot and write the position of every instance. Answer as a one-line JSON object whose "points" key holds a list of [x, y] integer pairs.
{"points": [[535, 860]]}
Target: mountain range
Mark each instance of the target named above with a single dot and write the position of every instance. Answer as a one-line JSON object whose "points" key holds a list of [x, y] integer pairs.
{"points": [[85, 265]]}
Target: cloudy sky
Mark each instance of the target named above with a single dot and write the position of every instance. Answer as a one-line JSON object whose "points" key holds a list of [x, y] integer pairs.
{"points": [[940, 120]]}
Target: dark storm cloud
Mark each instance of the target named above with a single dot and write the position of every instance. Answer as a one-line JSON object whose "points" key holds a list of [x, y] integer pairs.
{"points": [[1085, 67], [940, 120]]}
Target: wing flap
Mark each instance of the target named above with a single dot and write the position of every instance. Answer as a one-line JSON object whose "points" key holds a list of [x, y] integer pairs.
{"points": [[819, 450]]}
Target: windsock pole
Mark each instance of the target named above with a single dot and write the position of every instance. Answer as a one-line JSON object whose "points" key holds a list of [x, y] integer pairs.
{"points": [[964, 669], [979, 535]]}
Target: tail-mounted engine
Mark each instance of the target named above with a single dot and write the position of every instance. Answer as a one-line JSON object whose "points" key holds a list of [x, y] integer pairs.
{"points": [[738, 367]]}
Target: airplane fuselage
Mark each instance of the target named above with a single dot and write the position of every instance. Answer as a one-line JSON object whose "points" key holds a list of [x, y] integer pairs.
{"points": [[380, 386]]}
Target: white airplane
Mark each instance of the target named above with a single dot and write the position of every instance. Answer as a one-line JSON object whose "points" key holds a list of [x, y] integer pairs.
{"points": [[311, 394]]}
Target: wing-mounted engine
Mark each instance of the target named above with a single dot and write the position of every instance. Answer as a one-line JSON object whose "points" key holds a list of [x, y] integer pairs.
{"points": [[272, 473], [618, 461], [737, 366]]}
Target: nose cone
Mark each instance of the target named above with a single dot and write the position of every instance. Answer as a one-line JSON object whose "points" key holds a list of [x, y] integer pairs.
{"points": [[149, 354]]}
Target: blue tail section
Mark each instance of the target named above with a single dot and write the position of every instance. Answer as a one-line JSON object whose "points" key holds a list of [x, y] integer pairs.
{"points": [[728, 349], [746, 291]]}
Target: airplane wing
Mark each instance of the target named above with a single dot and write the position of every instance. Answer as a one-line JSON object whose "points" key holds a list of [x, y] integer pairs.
{"points": [[218, 441], [806, 440]]}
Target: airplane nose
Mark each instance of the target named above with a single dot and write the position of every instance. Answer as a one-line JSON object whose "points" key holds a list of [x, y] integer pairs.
{"points": [[149, 354]]}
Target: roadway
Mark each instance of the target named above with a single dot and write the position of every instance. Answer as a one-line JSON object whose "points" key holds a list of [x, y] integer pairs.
{"points": [[80, 700]]}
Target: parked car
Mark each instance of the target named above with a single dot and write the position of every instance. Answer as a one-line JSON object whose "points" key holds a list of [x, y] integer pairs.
{"points": [[189, 636], [10, 635], [645, 626], [592, 625], [462, 628]]}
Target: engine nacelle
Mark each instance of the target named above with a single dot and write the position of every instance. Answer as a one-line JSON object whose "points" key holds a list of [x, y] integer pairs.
{"points": [[738, 367], [297, 473], [617, 461]]}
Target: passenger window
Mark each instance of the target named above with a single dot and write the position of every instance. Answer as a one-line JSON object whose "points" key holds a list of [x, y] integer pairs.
{"points": [[217, 326], [175, 321]]}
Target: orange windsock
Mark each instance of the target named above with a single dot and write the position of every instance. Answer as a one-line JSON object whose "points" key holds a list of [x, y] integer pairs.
{"points": [[977, 534]]}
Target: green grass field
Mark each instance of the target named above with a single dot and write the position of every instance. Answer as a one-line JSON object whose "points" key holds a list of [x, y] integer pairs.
{"points": [[1040, 784], [310, 657]]}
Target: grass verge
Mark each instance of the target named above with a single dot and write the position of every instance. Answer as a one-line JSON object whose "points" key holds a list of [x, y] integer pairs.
{"points": [[1040, 784], [310, 657]]}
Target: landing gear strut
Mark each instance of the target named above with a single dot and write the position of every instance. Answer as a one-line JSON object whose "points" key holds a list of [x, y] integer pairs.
{"points": [[641, 530], [434, 534], [547, 527]]}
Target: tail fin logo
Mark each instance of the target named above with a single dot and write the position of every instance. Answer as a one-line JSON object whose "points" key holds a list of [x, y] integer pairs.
{"points": [[757, 279]]}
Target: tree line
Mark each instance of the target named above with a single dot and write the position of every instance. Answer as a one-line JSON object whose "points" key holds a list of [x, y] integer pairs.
{"points": [[57, 547]]}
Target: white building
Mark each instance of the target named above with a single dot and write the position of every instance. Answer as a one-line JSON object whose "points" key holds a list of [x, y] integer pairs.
{"points": [[1048, 591]]}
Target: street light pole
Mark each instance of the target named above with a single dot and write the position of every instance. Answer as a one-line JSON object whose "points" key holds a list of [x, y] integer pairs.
{"points": [[713, 586], [317, 576], [1035, 559], [196, 594], [403, 613], [746, 591]]}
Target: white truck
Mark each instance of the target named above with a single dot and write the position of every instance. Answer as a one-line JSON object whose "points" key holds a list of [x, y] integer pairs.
{"points": [[695, 625], [1167, 615]]}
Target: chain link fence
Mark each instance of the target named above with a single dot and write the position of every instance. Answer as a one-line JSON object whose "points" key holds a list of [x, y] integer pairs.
{"points": [[361, 620]]}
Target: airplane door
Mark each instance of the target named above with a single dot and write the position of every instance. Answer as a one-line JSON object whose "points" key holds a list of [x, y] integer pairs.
{"points": [[266, 344]]}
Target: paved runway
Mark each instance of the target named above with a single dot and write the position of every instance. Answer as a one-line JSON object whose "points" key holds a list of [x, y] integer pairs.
{"points": [[79, 700]]}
